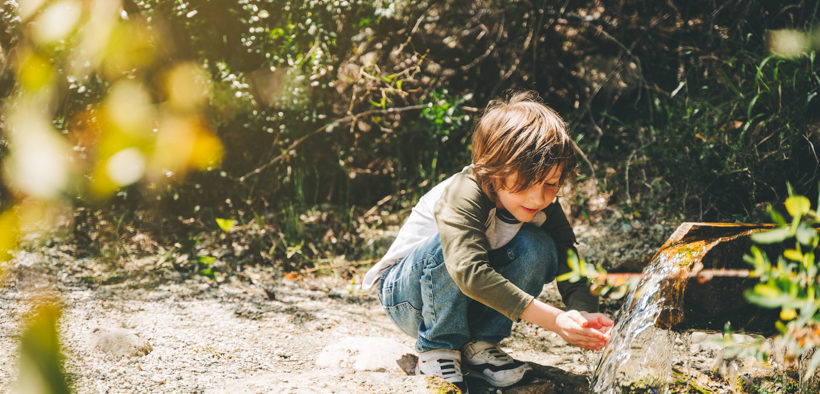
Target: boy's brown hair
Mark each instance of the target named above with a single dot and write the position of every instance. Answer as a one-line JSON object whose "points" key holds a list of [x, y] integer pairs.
{"points": [[520, 136]]}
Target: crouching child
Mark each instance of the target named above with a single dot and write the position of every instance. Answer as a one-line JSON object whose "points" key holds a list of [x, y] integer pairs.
{"points": [[479, 247]]}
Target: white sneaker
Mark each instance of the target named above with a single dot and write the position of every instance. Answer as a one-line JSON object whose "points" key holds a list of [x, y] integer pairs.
{"points": [[444, 363], [493, 364]]}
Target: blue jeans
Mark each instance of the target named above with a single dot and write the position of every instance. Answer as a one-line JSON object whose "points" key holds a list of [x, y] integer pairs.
{"points": [[421, 298]]}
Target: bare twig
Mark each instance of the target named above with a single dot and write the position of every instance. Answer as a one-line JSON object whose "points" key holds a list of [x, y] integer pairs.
{"points": [[337, 122], [489, 50], [701, 275], [412, 31]]}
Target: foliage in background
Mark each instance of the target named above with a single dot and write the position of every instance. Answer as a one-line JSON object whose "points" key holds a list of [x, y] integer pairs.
{"points": [[351, 109]]}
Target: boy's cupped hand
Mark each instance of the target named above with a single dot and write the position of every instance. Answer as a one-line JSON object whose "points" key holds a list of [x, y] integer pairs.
{"points": [[584, 329]]}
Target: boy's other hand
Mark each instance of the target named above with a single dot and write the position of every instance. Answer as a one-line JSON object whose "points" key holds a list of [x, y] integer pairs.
{"points": [[583, 329]]}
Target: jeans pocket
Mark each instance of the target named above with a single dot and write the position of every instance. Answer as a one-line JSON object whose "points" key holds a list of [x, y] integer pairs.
{"points": [[406, 316]]}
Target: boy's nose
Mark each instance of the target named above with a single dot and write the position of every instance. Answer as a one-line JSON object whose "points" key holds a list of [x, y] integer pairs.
{"points": [[538, 196]]}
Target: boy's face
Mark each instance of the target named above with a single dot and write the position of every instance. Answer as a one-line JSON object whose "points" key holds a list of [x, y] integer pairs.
{"points": [[526, 203]]}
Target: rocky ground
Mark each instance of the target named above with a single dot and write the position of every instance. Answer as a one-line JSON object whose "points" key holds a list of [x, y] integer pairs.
{"points": [[137, 326]]}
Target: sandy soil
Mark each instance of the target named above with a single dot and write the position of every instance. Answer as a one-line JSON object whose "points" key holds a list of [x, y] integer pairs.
{"points": [[137, 326], [161, 332]]}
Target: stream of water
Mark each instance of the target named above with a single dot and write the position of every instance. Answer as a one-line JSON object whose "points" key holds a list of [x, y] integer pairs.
{"points": [[640, 354]]}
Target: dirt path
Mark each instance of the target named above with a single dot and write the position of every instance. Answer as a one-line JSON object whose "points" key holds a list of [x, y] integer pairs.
{"points": [[137, 326], [162, 332]]}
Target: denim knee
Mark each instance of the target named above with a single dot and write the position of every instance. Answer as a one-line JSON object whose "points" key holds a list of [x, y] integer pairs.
{"points": [[534, 249]]}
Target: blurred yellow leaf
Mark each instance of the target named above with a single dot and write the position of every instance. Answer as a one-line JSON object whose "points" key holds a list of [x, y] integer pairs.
{"points": [[34, 72], [41, 360], [182, 143], [798, 206], [9, 233], [38, 164], [206, 152], [126, 166], [787, 314], [128, 108], [101, 184], [56, 22], [225, 224], [131, 45], [793, 254], [187, 86]]}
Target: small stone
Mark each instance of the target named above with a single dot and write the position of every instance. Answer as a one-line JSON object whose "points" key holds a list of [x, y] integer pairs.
{"points": [[118, 342], [364, 354]]}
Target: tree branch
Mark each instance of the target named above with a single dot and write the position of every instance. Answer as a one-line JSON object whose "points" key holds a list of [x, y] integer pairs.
{"points": [[330, 125]]}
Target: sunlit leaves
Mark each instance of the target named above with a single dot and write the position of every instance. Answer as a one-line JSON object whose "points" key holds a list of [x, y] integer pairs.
{"points": [[9, 233], [805, 233], [779, 234], [34, 71], [183, 142], [56, 22], [769, 296], [798, 206], [38, 164], [792, 283], [187, 86], [126, 166], [129, 46], [614, 286], [128, 108]]}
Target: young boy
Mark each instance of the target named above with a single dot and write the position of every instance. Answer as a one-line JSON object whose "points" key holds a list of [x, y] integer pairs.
{"points": [[479, 247]]}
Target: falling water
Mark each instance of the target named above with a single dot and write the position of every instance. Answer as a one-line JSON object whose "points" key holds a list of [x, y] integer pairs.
{"points": [[640, 354]]}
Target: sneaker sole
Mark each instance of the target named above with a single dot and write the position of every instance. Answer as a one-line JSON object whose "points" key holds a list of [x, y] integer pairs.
{"points": [[468, 370]]}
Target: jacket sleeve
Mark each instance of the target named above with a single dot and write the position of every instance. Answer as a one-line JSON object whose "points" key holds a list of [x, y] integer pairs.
{"points": [[575, 295], [461, 216]]}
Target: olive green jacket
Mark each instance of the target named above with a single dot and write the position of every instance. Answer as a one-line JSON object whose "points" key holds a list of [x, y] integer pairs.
{"points": [[462, 215]]}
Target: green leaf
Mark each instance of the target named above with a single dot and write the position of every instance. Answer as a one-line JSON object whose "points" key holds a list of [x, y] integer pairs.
{"points": [[209, 272], [225, 224], [776, 216], [793, 255], [276, 33], [798, 206], [805, 233], [779, 234], [619, 292], [759, 261], [566, 276], [206, 259], [768, 296]]}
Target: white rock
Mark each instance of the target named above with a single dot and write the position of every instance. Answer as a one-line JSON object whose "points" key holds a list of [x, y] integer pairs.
{"points": [[118, 342], [363, 354]]}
